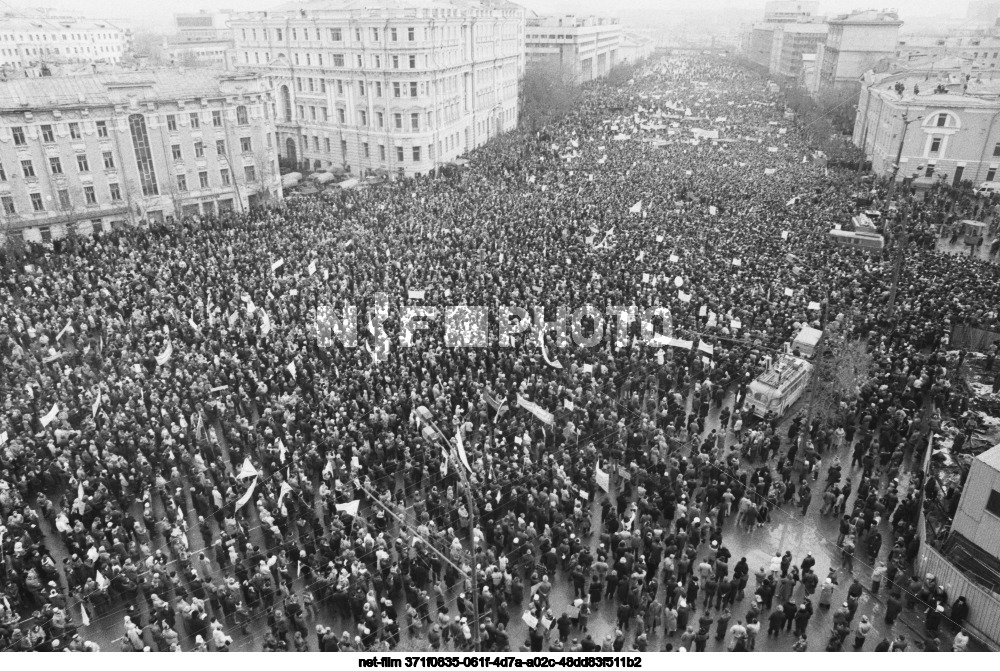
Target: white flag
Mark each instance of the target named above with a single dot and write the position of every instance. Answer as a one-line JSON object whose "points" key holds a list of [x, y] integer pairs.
{"points": [[545, 353], [242, 501], [265, 323], [712, 211], [813, 305], [349, 508], [48, 419], [312, 267], [568, 404], [277, 264], [636, 209], [165, 356], [248, 471], [706, 348], [285, 490], [603, 481], [291, 369], [97, 404], [461, 450]]}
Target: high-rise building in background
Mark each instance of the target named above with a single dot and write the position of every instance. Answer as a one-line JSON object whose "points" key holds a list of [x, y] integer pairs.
{"points": [[789, 11], [201, 39], [98, 150], [585, 47], [855, 43], [386, 86]]}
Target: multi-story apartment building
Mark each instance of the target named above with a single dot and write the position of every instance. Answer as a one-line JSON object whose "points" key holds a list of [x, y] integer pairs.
{"points": [[27, 42], [384, 86], [792, 41], [789, 11], [203, 27], [586, 47], [202, 39], [855, 43], [96, 150]]}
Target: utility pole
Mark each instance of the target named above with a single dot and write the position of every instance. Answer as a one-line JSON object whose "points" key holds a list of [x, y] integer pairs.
{"points": [[898, 265], [820, 348], [433, 432]]}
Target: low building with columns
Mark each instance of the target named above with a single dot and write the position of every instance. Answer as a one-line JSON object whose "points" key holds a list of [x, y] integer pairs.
{"points": [[90, 152], [941, 123], [385, 86]]}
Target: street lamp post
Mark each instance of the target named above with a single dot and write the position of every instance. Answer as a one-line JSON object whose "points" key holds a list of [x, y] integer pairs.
{"points": [[899, 152], [432, 432]]}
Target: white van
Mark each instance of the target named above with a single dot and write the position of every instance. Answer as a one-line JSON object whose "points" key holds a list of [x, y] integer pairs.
{"points": [[987, 188], [807, 341]]}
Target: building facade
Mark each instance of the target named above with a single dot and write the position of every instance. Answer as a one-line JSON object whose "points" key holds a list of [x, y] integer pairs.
{"points": [[203, 27], [203, 39], [93, 151], [981, 50], [854, 44], [585, 47], [941, 125], [385, 87], [789, 11], [27, 42], [790, 42]]}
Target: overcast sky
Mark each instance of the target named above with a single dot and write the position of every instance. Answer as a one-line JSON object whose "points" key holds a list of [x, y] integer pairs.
{"points": [[157, 15]]}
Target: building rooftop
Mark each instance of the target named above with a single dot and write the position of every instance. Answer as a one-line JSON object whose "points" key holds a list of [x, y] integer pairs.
{"points": [[101, 90], [991, 457], [364, 5], [17, 22], [869, 16]]}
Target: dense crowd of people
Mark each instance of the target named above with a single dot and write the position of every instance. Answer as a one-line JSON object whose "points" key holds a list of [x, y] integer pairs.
{"points": [[181, 448]]}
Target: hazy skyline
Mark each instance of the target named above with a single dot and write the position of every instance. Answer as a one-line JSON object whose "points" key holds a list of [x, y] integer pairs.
{"points": [[156, 16]]}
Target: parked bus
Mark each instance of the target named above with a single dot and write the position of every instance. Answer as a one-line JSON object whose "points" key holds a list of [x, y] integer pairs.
{"points": [[858, 239], [778, 387]]}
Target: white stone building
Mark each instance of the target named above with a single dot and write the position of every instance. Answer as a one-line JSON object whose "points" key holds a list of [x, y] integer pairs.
{"points": [[93, 151], [393, 87]]}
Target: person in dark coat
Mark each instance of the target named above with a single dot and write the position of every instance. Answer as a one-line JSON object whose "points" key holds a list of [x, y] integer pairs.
{"points": [[893, 607]]}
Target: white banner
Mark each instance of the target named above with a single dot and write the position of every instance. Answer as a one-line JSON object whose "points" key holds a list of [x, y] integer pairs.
{"points": [[50, 417], [535, 409]]}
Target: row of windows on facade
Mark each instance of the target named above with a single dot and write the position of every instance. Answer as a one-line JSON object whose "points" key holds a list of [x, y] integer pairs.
{"points": [[448, 143], [54, 51], [48, 133], [399, 89], [451, 113], [376, 34], [44, 37], [115, 193], [443, 57], [83, 164]]}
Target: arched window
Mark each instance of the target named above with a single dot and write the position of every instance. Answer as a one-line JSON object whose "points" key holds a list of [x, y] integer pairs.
{"points": [[942, 119]]}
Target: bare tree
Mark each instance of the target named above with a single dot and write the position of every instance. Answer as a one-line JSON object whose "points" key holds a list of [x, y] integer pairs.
{"points": [[845, 367], [548, 92], [264, 167]]}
